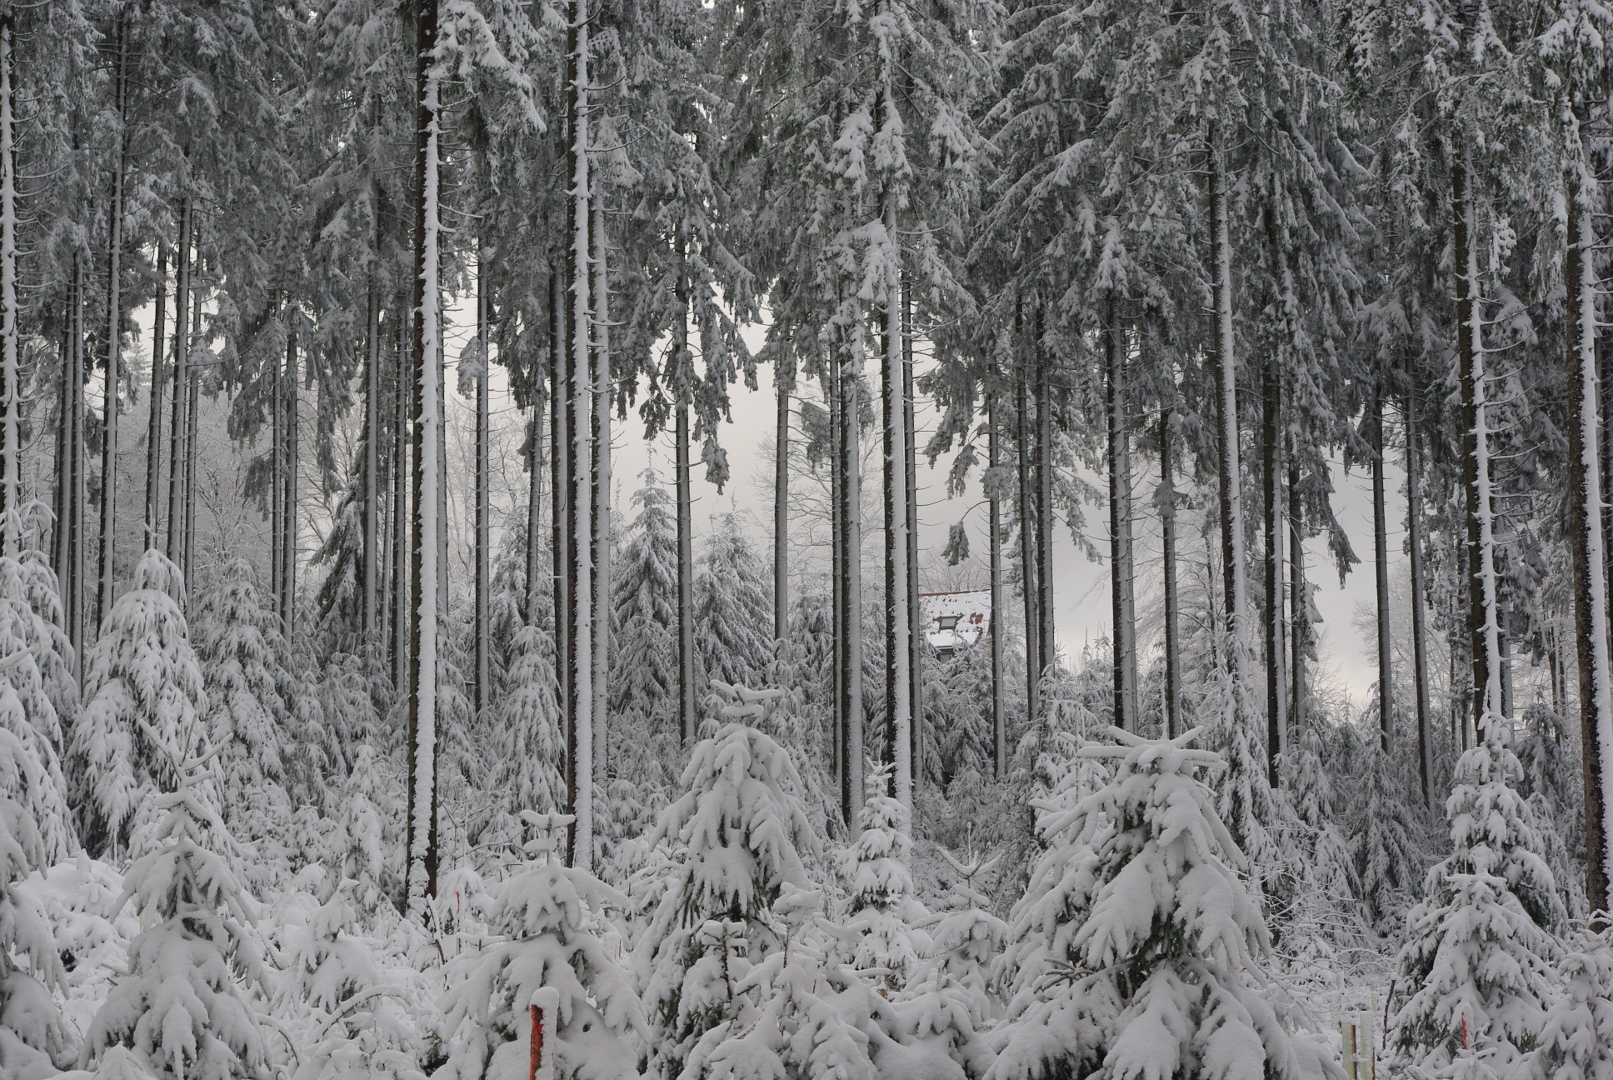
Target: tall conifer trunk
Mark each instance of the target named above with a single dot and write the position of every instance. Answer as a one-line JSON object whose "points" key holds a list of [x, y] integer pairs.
{"points": [[288, 514], [176, 439], [685, 528], [1590, 581], [1298, 598], [1123, 610], [1229, 460], [851, 629], [1276, 641], [370, 567], [1419, 644], [10, 370], [898, 627], [999, 611], [1045, 641], [560, 460], [916, 639], [579, 334], [1380, 563], [401, 473], [154, 410], [1484, 628], [602, 385], [481, 620], [421, 867], [781, 505], [1027, 527], [114, 329], [1167, 527]]}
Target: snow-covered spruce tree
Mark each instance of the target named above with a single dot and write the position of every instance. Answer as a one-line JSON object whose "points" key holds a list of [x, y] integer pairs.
{"points": [[1386, 855], [1577, 1040], [356, 1025], [31, 1029], [967, 938], [738, 832], [28, 582], [883, 917], [549, 918], [1479, 946], [1136, 951], [144, 693], [27, 712], [239, 646], [526, 738], [644, 580], [733, 614], [190, 1004]]}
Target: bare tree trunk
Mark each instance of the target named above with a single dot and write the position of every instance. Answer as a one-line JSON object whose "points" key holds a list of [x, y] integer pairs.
{"points": [[1590, 582], [10, 369], [1276, 645], [154, 418], [580, 632], [114, 332], [1380, 562], [602, 385], [1419, 644], [1167, 521], [1483, 623], [176, 440], [898, 627], [421, 844], [536, 465], [481, 620], [1230, 464], [1123, 610], [999, 708]]}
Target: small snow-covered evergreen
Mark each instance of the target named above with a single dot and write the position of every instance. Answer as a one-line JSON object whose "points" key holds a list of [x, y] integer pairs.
{"points": [[237, 641], [1137, 949], [31, 1030], [550, 952], [191, 1004], [143, 693], [1576, 1042], [1479, 949], [737, 832]]}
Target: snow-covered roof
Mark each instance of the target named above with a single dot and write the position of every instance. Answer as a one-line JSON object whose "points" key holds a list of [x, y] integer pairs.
{"points": [[951, 620]]}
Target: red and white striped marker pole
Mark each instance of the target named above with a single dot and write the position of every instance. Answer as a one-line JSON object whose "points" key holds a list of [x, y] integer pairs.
{"points": [[545, 1010]]}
